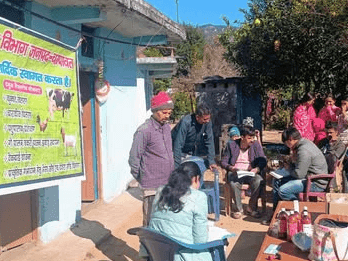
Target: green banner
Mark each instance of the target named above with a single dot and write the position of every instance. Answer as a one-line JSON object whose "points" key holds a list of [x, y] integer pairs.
{"points": [[40, 134]]}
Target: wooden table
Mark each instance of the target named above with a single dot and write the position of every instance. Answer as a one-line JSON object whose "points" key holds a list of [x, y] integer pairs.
{"points": [[288, 250]]}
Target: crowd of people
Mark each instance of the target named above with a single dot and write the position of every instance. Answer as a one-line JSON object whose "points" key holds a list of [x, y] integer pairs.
{"points": [[170, 182]]}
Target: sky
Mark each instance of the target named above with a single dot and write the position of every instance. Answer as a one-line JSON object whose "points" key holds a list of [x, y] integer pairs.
{"points": [[200, 12]]}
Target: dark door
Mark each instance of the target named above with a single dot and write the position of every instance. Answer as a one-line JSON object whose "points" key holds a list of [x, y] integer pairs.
{"points": [[18, 219]]}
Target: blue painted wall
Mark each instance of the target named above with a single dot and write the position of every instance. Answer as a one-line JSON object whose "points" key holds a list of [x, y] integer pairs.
{"points": [[125, 109], [60, 206]]}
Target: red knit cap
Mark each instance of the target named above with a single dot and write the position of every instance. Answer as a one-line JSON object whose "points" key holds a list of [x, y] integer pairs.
{"points": [[161, 101]]}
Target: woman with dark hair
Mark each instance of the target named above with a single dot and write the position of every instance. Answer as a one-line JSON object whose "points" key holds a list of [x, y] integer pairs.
{"points": [[304, 115], [180, 210], [330, 112]]}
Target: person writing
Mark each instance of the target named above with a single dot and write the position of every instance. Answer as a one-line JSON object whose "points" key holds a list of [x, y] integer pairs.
{"points": [[307, 160], [180, 210], [244, 154]]}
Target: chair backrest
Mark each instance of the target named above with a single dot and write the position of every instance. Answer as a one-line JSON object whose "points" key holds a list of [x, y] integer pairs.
{"points": [[201, 164], [163, 248], [158, 246]]}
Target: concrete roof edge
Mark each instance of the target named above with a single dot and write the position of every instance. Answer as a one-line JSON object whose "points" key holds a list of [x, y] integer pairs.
{"points": [[160, 60], [153, 14]]}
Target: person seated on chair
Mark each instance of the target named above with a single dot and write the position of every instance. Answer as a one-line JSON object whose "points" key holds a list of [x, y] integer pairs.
{"points": [[244, 154], [308, 160], [332, 147], [234, 133], [180, 210]]}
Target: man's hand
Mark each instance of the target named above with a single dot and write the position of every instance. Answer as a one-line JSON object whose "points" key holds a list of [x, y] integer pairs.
{"points": [[232, 169], [213, 166]]}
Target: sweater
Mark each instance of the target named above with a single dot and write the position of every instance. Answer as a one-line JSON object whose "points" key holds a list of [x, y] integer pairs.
{"points": [[151, 156]]}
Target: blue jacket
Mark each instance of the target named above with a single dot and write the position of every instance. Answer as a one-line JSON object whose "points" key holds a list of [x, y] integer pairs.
{"points": [[190, 137], [190, 225]]}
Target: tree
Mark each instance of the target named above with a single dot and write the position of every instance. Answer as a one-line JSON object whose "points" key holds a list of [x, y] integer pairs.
{"points": [[293, 42], [190, 50]]}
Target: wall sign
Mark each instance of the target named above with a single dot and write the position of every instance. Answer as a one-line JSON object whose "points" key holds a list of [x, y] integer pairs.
{"points": [[40, 127]]}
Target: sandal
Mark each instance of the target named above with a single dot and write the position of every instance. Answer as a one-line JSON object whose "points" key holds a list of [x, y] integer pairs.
{"points": [[237, 215]]}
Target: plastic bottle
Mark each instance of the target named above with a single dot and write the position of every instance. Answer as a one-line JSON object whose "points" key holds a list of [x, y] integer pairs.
{"points": [[292, 225], [305, 209], [283, 223], [307, 224], [299, 220]]}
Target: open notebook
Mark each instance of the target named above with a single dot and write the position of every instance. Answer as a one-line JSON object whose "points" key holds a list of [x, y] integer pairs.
{"points": [[280, 173], [242, 173]]}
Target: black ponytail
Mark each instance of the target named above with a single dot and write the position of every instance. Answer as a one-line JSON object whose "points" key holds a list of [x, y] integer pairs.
{"points": [[178, 185]]}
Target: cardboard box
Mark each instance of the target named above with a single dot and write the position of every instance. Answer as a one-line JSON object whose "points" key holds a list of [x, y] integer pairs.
{"points": [[337, 203]]}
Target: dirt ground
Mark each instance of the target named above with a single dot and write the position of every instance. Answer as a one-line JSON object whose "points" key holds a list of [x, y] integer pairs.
{"points": [[245, 247]]}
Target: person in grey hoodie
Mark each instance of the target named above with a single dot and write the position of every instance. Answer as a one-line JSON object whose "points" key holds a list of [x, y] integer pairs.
{"points": [[151, 156], [307, 160]]}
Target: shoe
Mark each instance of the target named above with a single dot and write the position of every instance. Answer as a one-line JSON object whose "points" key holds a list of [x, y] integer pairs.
{"points": [[237, 215], [254, 214], [267, 221]]}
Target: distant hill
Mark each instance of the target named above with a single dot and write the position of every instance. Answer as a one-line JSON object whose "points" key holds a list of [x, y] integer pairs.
{"points": [[210, 31]]}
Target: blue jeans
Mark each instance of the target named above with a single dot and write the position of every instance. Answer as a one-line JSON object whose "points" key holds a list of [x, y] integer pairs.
{"points": [[288, 189]]}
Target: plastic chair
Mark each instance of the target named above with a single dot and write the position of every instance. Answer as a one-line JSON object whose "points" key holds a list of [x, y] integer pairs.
{"points": [[201, 164], [213, 193], [161, 247], [331, 177]]}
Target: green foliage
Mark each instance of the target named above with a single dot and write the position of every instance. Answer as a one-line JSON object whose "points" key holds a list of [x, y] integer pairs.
{"points": [[152, 52], [281, 119], [161, 85], [191, 50], [183, 104], [293, 43]]}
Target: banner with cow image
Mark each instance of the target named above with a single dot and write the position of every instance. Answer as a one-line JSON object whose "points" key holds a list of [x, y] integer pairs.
{"points": [[40, 125]]}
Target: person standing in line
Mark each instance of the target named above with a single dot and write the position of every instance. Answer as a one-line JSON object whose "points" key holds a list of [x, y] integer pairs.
{"points": [[151, 156], [304, 115], [343, 121], [330, 112], [193, 136]]}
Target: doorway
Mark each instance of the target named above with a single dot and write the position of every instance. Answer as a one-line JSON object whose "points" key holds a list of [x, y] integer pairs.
{"points": [[91, 187]]}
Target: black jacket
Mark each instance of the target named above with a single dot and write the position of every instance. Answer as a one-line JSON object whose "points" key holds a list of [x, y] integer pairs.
{"points": [[190, 137]]}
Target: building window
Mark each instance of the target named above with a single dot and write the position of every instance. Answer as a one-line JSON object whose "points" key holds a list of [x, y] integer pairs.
{"points": [[87, 44], [11, 12]]}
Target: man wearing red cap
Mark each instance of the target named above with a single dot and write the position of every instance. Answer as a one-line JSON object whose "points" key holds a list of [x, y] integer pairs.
{"points": [[151, 156]]}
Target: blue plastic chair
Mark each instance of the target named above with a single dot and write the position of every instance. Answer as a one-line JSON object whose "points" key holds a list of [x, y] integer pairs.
{"points": [[161, 247], [213, 193]]}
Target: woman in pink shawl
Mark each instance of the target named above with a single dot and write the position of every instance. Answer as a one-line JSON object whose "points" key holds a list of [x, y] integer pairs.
{"points": [[304, 115], [330, 112]]}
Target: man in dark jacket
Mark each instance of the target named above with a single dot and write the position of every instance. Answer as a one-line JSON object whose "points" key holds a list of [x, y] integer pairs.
{"points": [[193, 136], [244, 154]]}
